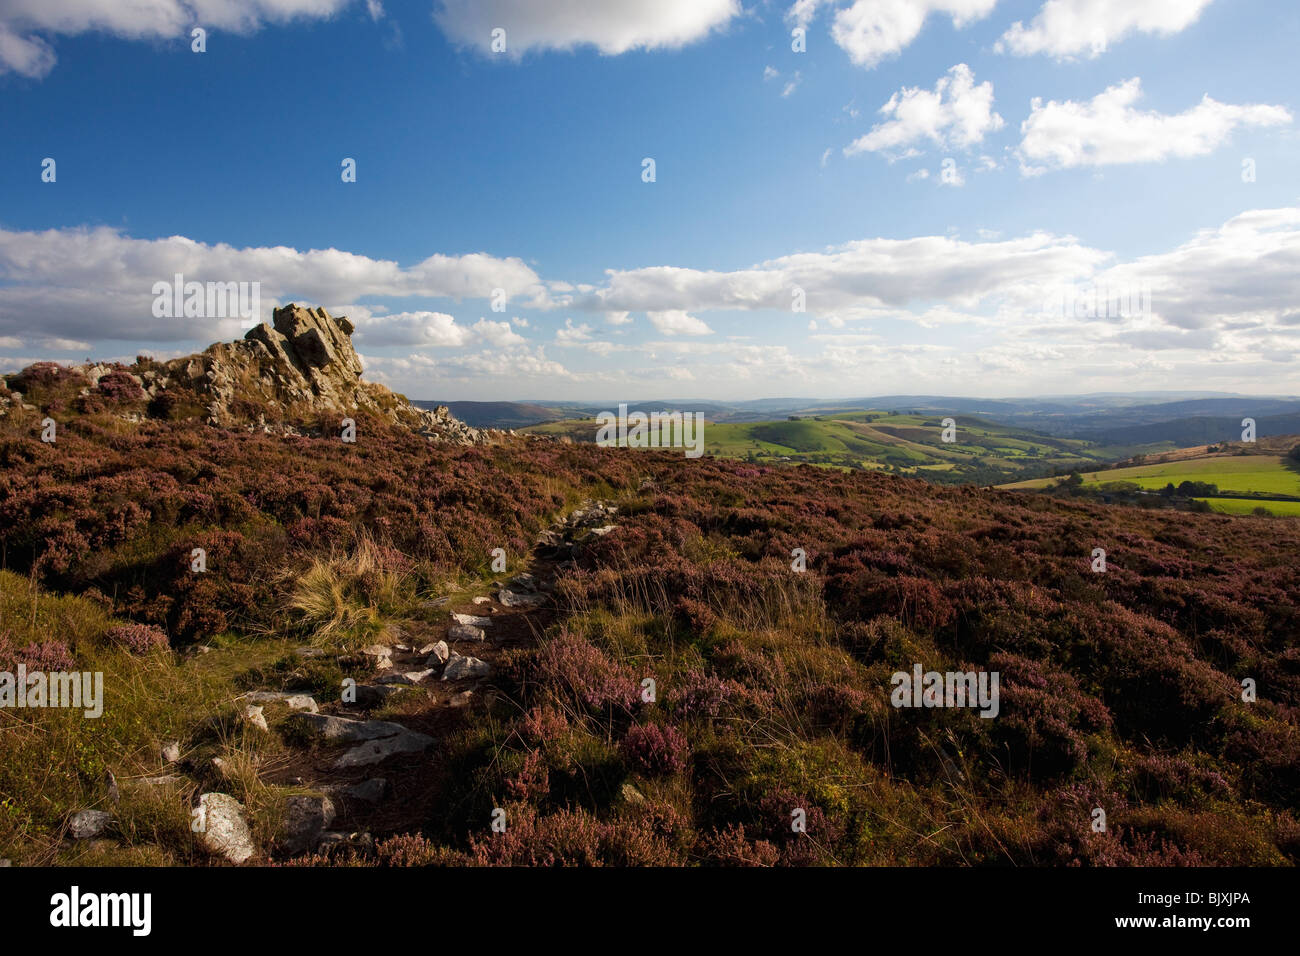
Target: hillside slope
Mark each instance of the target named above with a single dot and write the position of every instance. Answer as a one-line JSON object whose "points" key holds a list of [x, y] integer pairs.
{"points": [[772, 685]]}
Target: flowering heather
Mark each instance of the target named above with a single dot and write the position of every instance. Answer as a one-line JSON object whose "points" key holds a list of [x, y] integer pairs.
{"points": [[137, 638]]}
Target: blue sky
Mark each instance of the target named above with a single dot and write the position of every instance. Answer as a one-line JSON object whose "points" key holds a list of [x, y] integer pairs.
{"points": [[1095, 151]]}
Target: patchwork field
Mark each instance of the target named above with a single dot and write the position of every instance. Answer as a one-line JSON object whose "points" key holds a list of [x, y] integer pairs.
{"points": [[984, 452]]}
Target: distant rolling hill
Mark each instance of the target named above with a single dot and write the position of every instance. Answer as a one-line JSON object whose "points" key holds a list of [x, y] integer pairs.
{"points": [[497, 414], [985, 452]]}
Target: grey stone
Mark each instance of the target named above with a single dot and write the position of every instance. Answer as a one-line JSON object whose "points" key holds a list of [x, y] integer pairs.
{"points": [[86, 824], [517, 599], [368, 791], [224, 827], [465, 668], [305, 817], [376, 751], [347, 729], [466, 632], [253, 715], [474, 619]]}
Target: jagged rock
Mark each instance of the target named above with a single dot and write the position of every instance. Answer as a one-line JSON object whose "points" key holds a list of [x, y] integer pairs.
{"points": [[441, 654], [87, 824], [305, 817], [171, 752], [465, 632], [377, 652], [301, 365], [464, 668], [471, 619], [523, 582], [481, 600], [224, 827]]}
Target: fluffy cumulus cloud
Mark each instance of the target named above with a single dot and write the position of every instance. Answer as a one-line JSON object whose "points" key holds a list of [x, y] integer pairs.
{"points": [[1067, 29], [611, 26], [26, 26], [957, 113], [76, 283], [677, 322], [1109, 129], [870, 31], [850, 279], [883, 313]]}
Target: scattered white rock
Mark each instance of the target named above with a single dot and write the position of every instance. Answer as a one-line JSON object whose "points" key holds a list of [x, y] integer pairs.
{"points": [[482, 600], [439, 655], [223, 827], [464, 668], [518, 599], [302, 702], [475, 620], [462, 699], [253, 716], [171, 752]]}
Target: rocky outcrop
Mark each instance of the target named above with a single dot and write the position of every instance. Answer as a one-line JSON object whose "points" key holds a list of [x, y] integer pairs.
{"points": [[297, 369]]}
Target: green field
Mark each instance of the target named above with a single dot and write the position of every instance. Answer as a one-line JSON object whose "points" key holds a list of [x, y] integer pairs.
{"points": [[1244, 506], [1258, 474], [984, 452]]}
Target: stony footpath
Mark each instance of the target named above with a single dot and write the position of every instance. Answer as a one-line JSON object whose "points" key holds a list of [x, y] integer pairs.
{"points": [[358, 776]]}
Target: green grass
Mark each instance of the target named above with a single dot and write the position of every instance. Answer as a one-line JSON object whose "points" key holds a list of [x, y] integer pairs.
{"points": [[1261, 474], [1245, 506]]}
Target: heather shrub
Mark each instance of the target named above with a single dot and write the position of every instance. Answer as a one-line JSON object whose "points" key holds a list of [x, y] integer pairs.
{"points": [[137, 638], [654, 750]]}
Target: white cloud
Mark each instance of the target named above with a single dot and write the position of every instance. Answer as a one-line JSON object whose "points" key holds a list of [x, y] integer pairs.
{"points": [[793, 84], [1107, 129], [678, 322], [611, 26], [1067, 28], [24, 24], [77, 282], [955, 114], [870, 31], [498, 334], [571, 333]]}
